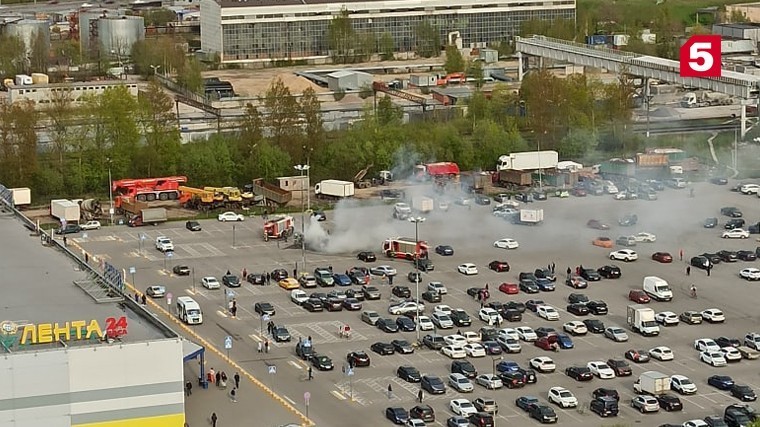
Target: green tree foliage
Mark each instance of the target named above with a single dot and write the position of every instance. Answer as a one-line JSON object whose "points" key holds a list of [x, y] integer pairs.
{"points": [[40, 53], [12, 55], [454, 60], [158, 124], [367, 45], [61, 114], [282, 118], [577, 143], [163, 52], [18, 144], [311, 111], [159, 17], [208, 162], [475, 70], [387, 46], [70, 51], [558, 28], [388, 113], [341, 38], [189, 75], [428, 39]]}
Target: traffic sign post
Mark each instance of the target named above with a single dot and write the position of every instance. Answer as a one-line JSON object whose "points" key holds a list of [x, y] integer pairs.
{"points": [[228, 345], [264, 318], [350, 374], [167, 254], [132, 271], [140, 243], [169, 300], [700, 56], [306, 398]]}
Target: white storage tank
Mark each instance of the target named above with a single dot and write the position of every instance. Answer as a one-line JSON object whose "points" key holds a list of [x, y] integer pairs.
{"points": [[28, 30], [116, 35]]}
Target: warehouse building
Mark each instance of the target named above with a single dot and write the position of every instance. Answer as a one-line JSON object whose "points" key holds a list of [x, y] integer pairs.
{"points": [[75, 353], [244, 31]]}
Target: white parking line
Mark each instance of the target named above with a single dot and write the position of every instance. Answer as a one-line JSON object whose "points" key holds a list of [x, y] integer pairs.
{"points": [[692, 402]]}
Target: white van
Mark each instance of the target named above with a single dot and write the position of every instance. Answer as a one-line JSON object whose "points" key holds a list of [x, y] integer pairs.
{"points": [[658, 289], [189, 311]]}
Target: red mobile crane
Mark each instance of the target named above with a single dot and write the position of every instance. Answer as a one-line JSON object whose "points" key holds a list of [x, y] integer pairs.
{"points": [[147, 189]]}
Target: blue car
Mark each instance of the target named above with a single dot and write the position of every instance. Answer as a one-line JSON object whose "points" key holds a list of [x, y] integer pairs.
{"points": [[397, 415], [444, 250], [544, 284], [721, 382], [524, 402], [507, 366], [342, 279], [565, 342]]}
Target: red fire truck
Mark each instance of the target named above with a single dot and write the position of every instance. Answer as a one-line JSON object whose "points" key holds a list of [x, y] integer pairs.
{"points": [[403, 247], [147, 189], [278, 227]]}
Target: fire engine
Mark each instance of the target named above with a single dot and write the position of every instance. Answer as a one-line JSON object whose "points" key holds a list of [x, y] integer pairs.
{"points": [[278, 227], [147, 189], [406, 248]]}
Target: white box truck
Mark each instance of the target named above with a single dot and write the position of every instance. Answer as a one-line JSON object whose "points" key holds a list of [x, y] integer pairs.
{"points": [[21, 196], [641, 319], [23, 80], [528, 217], [65, 210], [189, 311], [334, 188], [652, 382], [528, 160], [423, 204], [657, 289]]}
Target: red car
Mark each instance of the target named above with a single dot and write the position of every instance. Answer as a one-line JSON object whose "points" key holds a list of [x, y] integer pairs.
{"points": [[499, 266], [662, 257], [548, 343], [509, 288], [638, 296]]}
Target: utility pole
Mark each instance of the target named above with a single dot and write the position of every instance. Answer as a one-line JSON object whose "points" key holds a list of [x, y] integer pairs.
{"points": [[303, 169], [416, 221]]}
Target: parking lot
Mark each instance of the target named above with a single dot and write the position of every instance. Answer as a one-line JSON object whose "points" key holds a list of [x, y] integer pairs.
{"points": [[563, 239]]}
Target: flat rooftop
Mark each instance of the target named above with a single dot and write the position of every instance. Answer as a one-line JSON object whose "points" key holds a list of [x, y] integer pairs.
{"points": [[38, 288]]}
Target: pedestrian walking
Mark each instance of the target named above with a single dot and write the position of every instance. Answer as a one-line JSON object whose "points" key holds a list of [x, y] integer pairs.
{"points": [[390, 280], [295, 272], [86, 258], [268, 279], [569, 271], [218, 379], [245, 273], [553, 267], [419, 396], [144, 300], [188, 388], [214, 418], [708, 271], [237, 379], [137, 297], [680, 254], [234, 310], [390, 392], [64, 241], [233, 395], [259, 349], [311, 374], [486, 287], [329, 267], [266, 346], [688, 270]]}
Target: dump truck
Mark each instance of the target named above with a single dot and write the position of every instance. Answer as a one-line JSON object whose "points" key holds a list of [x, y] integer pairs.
{"points": [[147, 216], [528, 217], [437, 171], [21, 196], [507, 178], [641, 319], [65, 210], [423, 204], [528, 160], [272, 194], [90, 210], [278, 227], [474, 182], [652, 382], [333, 188]]}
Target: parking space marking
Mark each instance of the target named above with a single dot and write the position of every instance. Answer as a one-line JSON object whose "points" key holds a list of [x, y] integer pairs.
{"points": [[295, 364], [321, 332], [348, 389], [692, 402], [95, 239], [338, 394]]}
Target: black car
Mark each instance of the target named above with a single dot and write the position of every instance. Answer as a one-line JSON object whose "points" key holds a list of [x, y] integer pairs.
{"points": [[711, 222], [424, 264], [700, 262], [669, 402], [401, 291], [396, 415], [69, 229], [610, 272], [193, 225], [474, 292], [597, 307], [492, 348], [579, 373], [628, 220], [409, 374], [527, 275], [746, 255], [481, 419], [577, 298], [482, 200], [414, 276], [444, 250], [528, 374], [382, 348], [256, 279], [319, 215], [591, 275], [542, 413], [734, 223], [739, 415], [280, 334], [432, 384], [511, 315], [488, 334], [387, 325], [181, 270], [621, 367], [515, 305], [334, 304], [423, 412], [366, 256], [604, 406], [231, 281], [321, 296], [525, 402], [356, 294], [714, 421], [460, 318], [529, 286], [727, 342], [545, 273], [727, 256], [304, 350], [606, 392], [595, 326], [578, 309], [714, 258], [464, 367], [358, 276], [357, 359], [719, 180], [262, 308], [743, 393], [402, 346], [545, 331], [279, 274], [406, 324], [532, 304], [733, 212], [322, 362], [512, 379], [431, 296], [313, 305]]}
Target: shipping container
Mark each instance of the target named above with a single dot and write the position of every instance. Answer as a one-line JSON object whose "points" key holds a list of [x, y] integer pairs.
{"points": [[65, 210], [514, 177], [423, 80], [620, 39], [619, 168], [651, 160], [595, 40], [21, 196]]}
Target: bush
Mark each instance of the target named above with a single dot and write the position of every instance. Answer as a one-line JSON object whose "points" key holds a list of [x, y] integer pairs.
{"points": [[339, 94]]}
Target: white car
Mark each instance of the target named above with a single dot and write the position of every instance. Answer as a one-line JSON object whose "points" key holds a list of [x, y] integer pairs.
{"points": [[749, 188], [750, 274], [682, 384], [442, 320], [526, 333], [415, 422], [442, 308], [468, 269], [460, 383], [706, 344], [474, 349], [616, 334], [230, 216], [382, 270], [601, 369], [90, 225], [562, 397], [298, 296], [695, 423], [489, 315], [736, 233], [510, 345], [406, 307], [453, 352], [164, 244], [547, 312], [645, 237], [543, 364], [713, 358], [731, 354], [471, 336], [575, 327], [210, 283], [437, 287], [455, 340], [504, 212], [508, 333], [463, 407], [506, 244], [425, 324], [645, 403], [713, 315], [666, 318], [489, 381], [661, 353], [626, 255]]}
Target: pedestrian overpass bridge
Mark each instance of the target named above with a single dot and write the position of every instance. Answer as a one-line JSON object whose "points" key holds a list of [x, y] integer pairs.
{"points": [[741, 85]]}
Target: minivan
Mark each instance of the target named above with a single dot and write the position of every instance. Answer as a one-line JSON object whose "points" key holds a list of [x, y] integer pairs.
{"points": [[605, 406], [657, 288], [189, 311]]}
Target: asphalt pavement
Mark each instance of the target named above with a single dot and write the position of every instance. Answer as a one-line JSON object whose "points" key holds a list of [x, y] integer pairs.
{"points": [[563, 240]]}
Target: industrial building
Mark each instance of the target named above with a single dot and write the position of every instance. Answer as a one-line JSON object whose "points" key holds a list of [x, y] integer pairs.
{"points": [[42, 94], [76, 352], [348, 80], [28, 31], [246, 31]]}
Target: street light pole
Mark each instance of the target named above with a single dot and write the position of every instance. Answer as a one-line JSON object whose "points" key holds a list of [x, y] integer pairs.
{"points": [[416, 221], [303, 169], [110, 192], [494, 360]]}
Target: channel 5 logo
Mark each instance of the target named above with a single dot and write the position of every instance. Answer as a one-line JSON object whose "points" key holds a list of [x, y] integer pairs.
{"points": [[700, 56]]}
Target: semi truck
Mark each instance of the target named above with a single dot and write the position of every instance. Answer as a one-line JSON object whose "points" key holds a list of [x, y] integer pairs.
{"points": [[271, 193], [278, 227], [147, 216], [65, 210], [507, 177], [405, 248], [423, 204], [652, 382], [21, 196], [528, 160], [705, 99], [333, 188], [527, 217], [641, 319]]}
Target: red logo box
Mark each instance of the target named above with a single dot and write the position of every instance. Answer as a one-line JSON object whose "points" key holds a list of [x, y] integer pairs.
{"points": [[701, 56]]}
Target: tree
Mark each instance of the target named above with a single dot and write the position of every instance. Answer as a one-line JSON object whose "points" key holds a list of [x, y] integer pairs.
{"points": [[312, 118], [367, 45], [159, 17], [476, 72], [40, 53], [158, 123], [341, 38], [737, 16], [61, 113], [454, 60], [428, 39], [189, 75], [577, 143], [387, 46], [70, 51], [282, 118], [12, 55], [558, 28], [164, 52], [388, 113]]}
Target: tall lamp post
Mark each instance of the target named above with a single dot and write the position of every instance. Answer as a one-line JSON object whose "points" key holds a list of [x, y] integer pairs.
{"points": [[110, 192], [416, 221], [303, 169]]}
